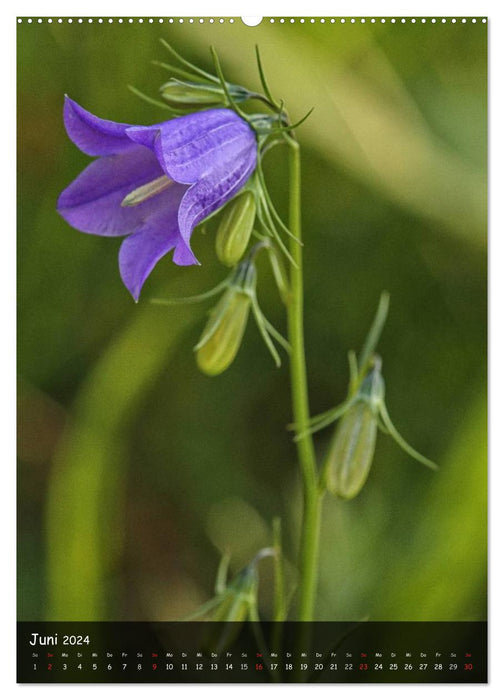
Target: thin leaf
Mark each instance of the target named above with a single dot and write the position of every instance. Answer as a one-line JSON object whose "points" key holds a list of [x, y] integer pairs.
{"points": [[273, 233], [205, 608], [151, 100], [381, 426], [330, 417], [186, 63], [402, 442], [277, 336], [264, 333], [269, 204], [222, 571], [374, 334], [224, 85], [291, 127], [322, 416], [279, 274], [354, 370], [264, 82], [178, 71], [194, 299]]}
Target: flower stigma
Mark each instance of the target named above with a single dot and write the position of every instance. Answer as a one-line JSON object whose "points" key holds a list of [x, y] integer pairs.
{"points": [[144, 192]]}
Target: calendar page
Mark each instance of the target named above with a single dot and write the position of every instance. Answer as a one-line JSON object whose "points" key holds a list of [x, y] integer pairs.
{"points": [[252, 349]]}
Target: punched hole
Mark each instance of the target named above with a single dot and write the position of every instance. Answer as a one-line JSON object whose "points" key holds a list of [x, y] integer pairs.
{"points": [[251, 21]]}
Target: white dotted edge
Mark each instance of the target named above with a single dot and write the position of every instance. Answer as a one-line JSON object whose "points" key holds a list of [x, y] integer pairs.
{"points": [[232, 20]]}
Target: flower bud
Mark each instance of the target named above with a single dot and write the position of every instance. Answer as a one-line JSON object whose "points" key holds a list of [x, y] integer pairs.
{"points": [[222, 336], [241, 592], [352, 449], [235, 228], [238, 604], [182, 94]]}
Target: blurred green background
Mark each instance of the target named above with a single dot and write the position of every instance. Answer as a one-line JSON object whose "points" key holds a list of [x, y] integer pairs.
{"points": [[135, 471]]}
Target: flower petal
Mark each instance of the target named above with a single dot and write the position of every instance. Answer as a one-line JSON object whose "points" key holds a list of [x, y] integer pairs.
{"points": [[92, 202], [94, 136], [141, 251], [183, 130], [213, 191], [189, 147]]}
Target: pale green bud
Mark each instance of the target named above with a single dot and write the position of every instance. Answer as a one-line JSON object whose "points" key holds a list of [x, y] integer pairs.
{"points": [[238, 604], [222, 336], [235, 227], [352, 449], [182, 94], [239, 595], [351, 452]]}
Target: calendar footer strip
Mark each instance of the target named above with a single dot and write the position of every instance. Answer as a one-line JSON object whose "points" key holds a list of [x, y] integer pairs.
{"points": [[191, 652]]}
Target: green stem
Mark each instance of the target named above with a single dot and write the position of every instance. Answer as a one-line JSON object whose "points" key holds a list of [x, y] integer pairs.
{"points": [[279, 603], [308, 555]]}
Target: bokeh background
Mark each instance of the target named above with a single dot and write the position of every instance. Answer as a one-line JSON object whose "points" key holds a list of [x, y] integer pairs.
{"points": [[135, 471]]}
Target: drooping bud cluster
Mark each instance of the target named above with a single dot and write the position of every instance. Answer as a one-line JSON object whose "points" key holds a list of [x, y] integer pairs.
{"points": [[248, 213]]}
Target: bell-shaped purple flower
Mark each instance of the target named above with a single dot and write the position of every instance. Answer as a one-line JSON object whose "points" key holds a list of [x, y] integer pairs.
{"points": [[154, 184]]}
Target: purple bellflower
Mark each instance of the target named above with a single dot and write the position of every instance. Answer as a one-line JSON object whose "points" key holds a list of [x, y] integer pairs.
{"points": [[154, 184]]}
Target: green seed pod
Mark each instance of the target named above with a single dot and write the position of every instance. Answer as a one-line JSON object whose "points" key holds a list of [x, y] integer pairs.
{"points": [[352, 449], [235, 228], [222, 336]]}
